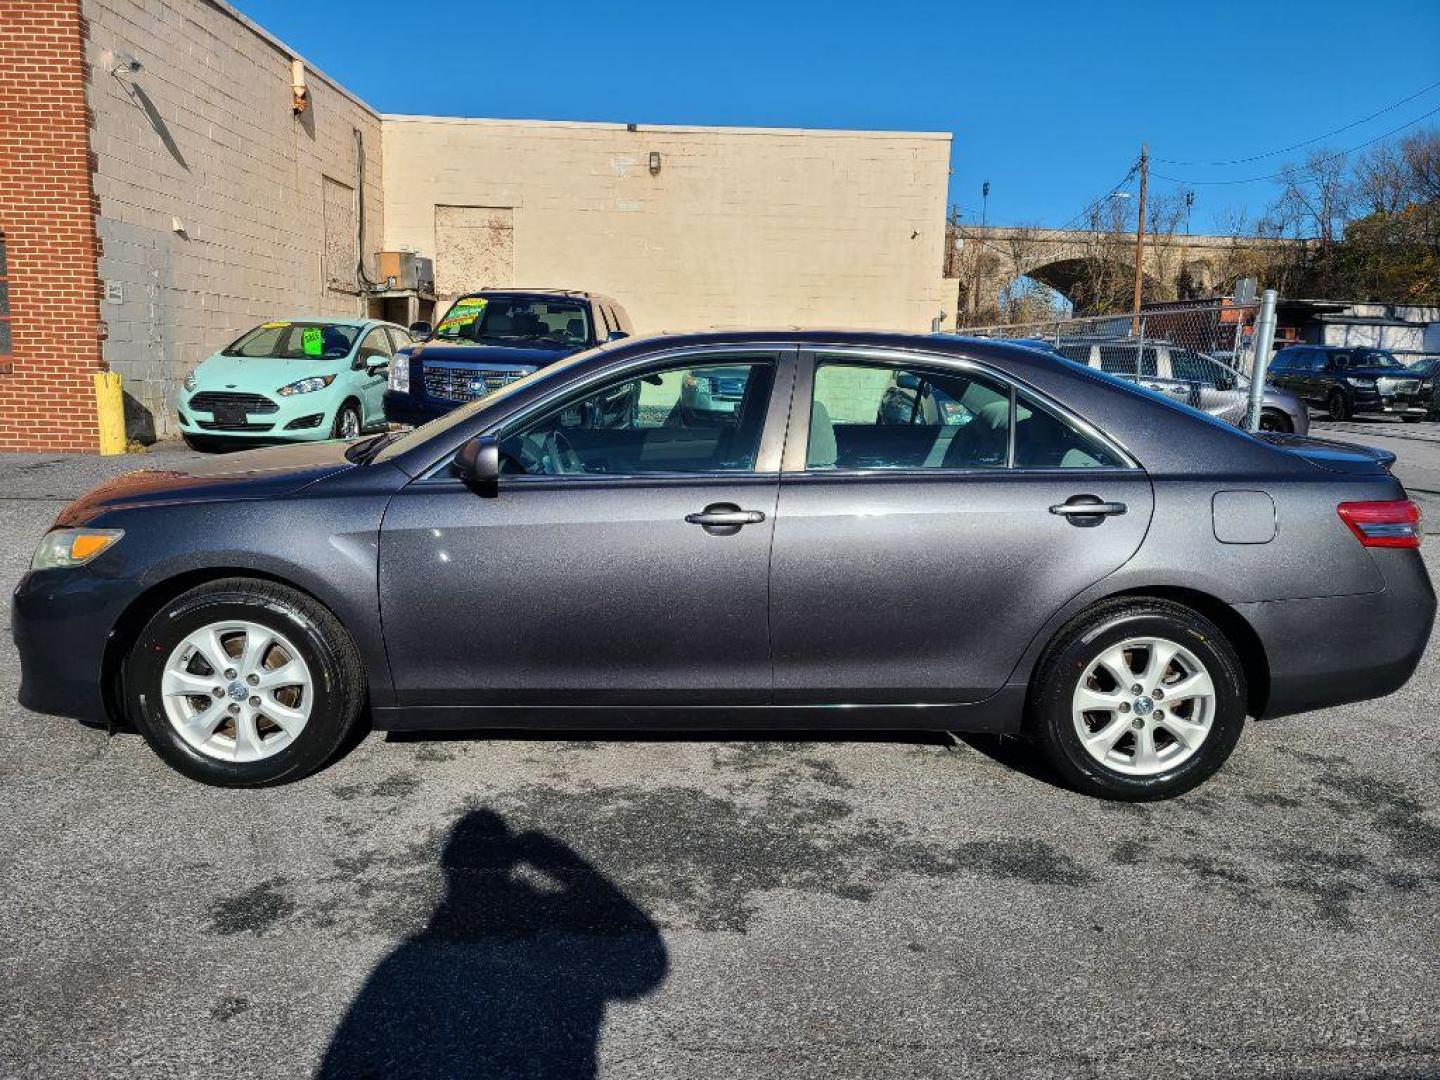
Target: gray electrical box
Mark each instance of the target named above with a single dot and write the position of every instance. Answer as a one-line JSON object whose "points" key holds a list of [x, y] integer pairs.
{"points": [[410, 271]]}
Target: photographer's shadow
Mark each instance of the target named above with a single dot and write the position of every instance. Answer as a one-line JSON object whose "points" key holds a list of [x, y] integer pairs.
{"points": [[512, 974]]}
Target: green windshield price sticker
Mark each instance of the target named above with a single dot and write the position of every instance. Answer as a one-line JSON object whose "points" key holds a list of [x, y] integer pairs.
{"points": [[464, 313], [312, 341]]}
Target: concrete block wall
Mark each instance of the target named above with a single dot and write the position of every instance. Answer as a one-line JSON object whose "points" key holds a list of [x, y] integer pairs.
{"points": [[47, 218], [739, 226], [210, 190]]}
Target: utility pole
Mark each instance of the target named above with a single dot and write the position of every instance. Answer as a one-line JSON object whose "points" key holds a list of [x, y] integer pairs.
{"points": [[953, 259], [1140, 232], [975, 262]]}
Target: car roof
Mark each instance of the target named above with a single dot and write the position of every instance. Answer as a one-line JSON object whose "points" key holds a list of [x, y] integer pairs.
{"points": [[581, 294], [820, 337], [333, 320]]}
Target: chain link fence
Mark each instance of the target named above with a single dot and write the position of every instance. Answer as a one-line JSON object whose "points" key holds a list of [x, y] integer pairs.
{"points": [[1198, 353]]}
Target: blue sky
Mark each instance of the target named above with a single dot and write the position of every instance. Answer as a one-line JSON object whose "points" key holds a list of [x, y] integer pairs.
{"points": [[1049, 101]]}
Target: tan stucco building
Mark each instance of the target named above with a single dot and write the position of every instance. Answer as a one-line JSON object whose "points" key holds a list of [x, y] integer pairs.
{"points": [[216, 204]]}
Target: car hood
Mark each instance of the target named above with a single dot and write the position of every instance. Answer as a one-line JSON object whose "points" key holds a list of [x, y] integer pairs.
{"points": [[251, 474], [1331, 453], [258, 374], [489, 354]]}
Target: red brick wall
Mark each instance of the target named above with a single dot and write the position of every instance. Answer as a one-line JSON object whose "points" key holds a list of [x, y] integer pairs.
{"points": [[47, 216]]}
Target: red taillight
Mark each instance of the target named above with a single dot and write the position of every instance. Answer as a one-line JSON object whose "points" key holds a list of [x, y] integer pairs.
{"points": [[1393, 524]]}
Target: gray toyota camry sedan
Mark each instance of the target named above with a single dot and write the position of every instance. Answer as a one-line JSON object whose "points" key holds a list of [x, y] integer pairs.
{"points": [[1053, 552]]}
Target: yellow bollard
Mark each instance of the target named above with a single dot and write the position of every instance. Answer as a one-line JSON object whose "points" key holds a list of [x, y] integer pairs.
{"points": [[110, 411]]}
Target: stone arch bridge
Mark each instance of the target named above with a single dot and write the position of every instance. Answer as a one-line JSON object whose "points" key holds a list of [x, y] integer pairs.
{"points": [[1093, 270]]}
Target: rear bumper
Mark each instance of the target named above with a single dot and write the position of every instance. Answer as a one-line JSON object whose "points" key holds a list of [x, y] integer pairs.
{"points": [[1331, 650]]}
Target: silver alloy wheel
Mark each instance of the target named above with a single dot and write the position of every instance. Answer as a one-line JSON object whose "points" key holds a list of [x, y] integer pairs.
{"points": [[349, 423], [1144, 706], [237, 691]]}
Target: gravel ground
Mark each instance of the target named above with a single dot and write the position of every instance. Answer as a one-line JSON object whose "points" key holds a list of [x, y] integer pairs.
{"points": [[697, 907]]}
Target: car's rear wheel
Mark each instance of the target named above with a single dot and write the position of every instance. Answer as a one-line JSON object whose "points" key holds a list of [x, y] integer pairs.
{"points": [[347, 421], [244, 683], [1337, 406], [1275, 420], [1138, 699]]}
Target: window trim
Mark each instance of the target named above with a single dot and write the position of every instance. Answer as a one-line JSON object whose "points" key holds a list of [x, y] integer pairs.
{"points": [[797, 446], [781, 358]]}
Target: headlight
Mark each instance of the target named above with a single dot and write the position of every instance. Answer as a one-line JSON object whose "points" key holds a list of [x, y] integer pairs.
{"points": [[400, 373], [306, 386], [189, 381], [1359, 380], [72, 547]]}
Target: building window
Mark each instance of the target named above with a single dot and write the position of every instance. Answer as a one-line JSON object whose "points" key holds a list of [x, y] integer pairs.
{"points": [[4, 307]]}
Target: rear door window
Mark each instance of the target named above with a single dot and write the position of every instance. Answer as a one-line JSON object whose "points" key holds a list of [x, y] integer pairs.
{"points": [[878, 417], [1128, 360]]}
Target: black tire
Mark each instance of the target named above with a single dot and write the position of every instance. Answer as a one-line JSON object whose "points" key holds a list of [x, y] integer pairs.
{"points": [[317, 634], [1412, 419], [1337, 406], [1275, 420], [1050, 721], [351, 410]]}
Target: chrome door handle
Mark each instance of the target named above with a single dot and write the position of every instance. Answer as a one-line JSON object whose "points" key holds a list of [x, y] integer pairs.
{"points": [[725, 518], [1075, 508]]}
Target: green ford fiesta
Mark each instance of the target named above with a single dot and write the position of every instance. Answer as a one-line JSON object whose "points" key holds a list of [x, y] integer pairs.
{"points": [[290, 380]]}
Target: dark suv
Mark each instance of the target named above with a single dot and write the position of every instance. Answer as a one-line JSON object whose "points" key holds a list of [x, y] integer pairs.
{"points": [[490, 338], [1352, 380]]}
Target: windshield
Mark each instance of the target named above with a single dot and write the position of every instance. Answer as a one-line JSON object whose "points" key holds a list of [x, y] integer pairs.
{"points": [[1372, 358], [516, 321], [295, 341], [416, 436]]}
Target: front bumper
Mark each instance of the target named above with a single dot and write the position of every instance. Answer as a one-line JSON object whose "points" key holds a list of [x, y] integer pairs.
{"points": [[302, 417], [61, 621], [1331, 650], [415, 409], [1373, 403]]}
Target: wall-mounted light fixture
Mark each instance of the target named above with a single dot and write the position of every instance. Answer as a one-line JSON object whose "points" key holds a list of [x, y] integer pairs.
{"points": [[654, 162], [301, 100], [124, 66]]}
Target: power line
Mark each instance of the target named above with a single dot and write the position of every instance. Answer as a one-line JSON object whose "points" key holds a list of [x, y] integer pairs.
{"points": [[1113, 189], [1281, 173], [1308, 142]]}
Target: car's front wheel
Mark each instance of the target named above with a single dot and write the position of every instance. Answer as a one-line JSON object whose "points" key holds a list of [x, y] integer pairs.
{"points": [[244, 683], [347, 421], [1337, 406], [1138, 699]]}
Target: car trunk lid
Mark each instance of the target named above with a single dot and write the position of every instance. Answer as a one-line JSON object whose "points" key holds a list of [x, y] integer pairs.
{"points": [[1332, 454]]}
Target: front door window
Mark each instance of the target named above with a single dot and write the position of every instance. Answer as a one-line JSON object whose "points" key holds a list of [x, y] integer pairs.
{"points": [[692, 418]]}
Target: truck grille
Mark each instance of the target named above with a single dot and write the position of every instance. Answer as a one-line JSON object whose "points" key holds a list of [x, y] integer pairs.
{"points": [[209, 401], [1390, 385], [465, 384]]}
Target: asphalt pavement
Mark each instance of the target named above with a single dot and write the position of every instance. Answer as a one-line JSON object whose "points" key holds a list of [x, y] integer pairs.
{"points": [[689, 907]]}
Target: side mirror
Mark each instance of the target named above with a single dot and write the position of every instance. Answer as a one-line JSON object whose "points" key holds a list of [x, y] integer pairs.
{"points": [[377, 361], [616, 335], [421, 329], [478, 463]]}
